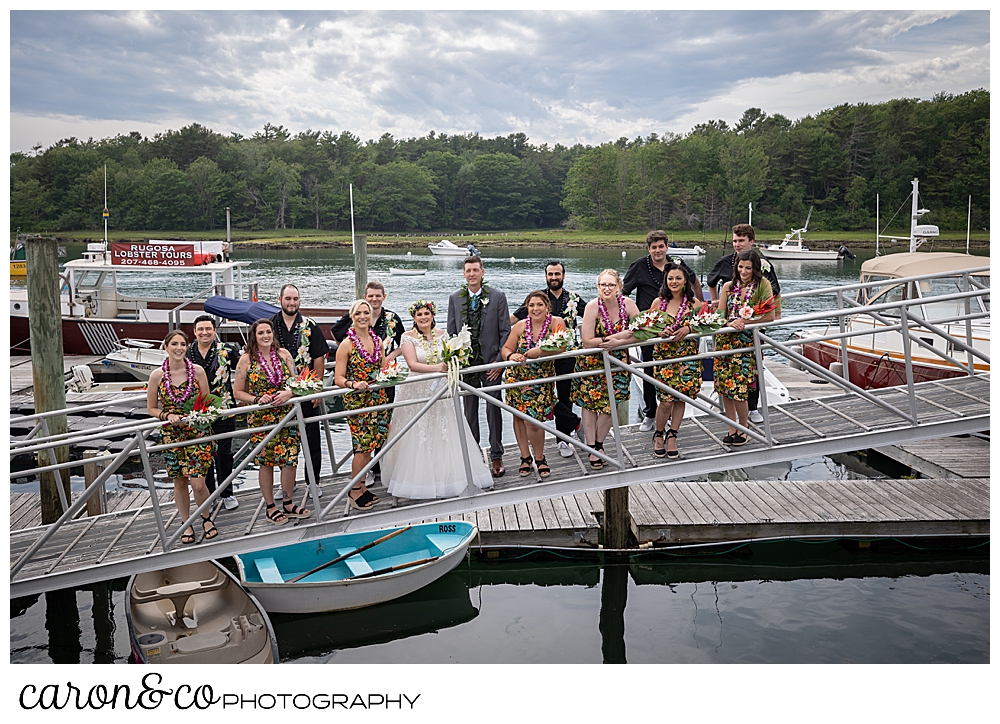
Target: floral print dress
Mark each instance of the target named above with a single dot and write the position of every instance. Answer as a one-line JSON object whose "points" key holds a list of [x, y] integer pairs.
{"points": [[283, 450], [591, 392], [192, 461], [538, 401], [369, 430], [736, 374], [685, 377]]}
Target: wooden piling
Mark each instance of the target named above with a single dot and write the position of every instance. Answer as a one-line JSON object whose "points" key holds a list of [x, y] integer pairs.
{"points": [[48, 379], [360, 265], [95, 503], [616, 520]]}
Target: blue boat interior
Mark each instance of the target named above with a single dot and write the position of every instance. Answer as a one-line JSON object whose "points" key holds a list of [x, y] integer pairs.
{"points": [[427, 540]]}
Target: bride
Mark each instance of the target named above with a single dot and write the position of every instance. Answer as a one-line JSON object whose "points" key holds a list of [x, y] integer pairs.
{"points": [[428, 462]]}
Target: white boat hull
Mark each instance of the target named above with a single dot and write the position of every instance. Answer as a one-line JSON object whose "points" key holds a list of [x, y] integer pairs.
{"points": [[801, 255], [448, 252], [407, 272], [680, 251]]}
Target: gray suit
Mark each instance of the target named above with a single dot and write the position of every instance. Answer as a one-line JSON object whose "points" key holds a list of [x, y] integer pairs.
{"points": [[494, 328]]}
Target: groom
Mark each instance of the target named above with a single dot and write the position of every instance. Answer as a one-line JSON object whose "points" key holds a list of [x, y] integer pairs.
{"points": [[484, 310]]}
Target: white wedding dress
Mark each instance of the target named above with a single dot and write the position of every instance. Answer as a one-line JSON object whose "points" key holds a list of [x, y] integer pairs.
{"points": [[428, 462]]}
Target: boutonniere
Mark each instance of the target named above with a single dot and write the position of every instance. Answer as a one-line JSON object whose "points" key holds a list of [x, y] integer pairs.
{"points": [[765, 264]]}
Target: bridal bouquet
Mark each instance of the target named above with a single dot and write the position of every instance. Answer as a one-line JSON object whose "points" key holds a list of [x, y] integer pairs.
{"points": [[647, 325], [202, 411], [559, 341], [457, 353], [707, 321], [392, 373], [307, 383], [758, 310]]}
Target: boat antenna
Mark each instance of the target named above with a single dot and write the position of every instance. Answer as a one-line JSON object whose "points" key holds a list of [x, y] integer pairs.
{"points": [[968, 225], [750, 213], [876, 224]]}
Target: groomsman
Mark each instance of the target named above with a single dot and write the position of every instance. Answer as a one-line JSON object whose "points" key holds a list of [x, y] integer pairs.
{"points": [[219, 362], [484, 310], [569, 306], [645, 276], [722, 272], [304, 340]]}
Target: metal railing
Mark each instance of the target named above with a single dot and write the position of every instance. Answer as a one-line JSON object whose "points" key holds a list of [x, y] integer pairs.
{"points": [[38, 442]]}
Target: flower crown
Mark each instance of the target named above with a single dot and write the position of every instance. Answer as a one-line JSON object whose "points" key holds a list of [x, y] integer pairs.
{"points": [[431, 306]]}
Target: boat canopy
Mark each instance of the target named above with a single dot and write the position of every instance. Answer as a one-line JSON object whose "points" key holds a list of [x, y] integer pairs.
{"points": [[912, 264], [238, 310]]}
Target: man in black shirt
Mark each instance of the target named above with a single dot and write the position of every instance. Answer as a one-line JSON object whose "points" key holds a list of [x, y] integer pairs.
{"points": [[304, 340], [219, 362], [722, 272], [569, 306], [645, 276]]}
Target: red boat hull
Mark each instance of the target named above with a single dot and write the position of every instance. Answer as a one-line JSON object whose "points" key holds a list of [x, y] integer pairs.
{"points": [[869, 371]]}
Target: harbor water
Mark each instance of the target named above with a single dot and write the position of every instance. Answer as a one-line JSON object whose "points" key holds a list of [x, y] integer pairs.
{"points": [[789, 602]]}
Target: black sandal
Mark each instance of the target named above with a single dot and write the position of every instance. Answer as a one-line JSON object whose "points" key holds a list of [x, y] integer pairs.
{"points": [[672, 454], [212, 532], [365, 501], [659, 452], [295, 511], [524, 470], [598, 463], [543, 469], [188, 538], [738, 439], [274, 515]]}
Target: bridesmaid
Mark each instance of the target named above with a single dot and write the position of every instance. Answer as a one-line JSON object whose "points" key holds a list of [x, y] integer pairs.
{"points": [[359, 359], [170, 387], [261, 376], [538, 401], [605, 326], [735, 374], [678, 302]]}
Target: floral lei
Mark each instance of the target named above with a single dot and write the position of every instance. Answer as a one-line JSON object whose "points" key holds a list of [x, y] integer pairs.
{"points": [[375, 356], [275, 374], [431, 348], [679, 318], [529, 342], [181, 397], [739, 295], [602, 310], [221, 377], [569, 314], [305, 332], [473, 319]]}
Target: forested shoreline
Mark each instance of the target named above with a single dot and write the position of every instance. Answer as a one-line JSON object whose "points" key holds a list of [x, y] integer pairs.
{"points": [[835, 161]]}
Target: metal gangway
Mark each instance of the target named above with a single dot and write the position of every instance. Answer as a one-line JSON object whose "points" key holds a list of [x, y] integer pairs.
{"points": [[76, 549]]}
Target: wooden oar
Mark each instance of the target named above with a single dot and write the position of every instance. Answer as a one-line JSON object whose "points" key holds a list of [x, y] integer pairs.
{"points": [[390, 569], [338, 559]]}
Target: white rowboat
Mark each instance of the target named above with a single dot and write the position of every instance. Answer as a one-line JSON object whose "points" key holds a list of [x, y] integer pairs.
{"points": [[398, 272]]}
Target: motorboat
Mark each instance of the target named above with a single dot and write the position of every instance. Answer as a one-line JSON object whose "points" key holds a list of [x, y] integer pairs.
{"points": [[137, 357], [877, 359], [792, 247], [684, 252], [196, 614], [97, 312], [446, 248], [18, 262], [399, 272], [354, 570]]}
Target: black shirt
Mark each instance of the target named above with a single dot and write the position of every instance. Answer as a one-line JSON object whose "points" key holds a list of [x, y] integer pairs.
{"points": [[561, 307], [220, 383], [722, 272], [291, 339], [646, 280], [388, 325]]}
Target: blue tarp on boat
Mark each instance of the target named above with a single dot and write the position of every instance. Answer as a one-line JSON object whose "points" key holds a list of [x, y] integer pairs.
{"points": [[238, 310]]}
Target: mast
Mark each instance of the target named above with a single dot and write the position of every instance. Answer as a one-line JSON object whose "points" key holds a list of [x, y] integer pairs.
{"points": [[105, 207], [914, 215]]}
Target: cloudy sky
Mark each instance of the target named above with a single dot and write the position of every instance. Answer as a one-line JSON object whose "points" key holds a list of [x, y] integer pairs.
{"points": [[557, 76]]}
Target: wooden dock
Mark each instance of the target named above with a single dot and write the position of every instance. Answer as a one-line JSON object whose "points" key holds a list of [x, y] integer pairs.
{"points": [[949, 457], [664, 513]]}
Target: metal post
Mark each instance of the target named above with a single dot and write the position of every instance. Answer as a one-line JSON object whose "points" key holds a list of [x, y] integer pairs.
{"points": [[153, 497], [334, 466], [759, 356], [904, 329], [843, 341], [51, 459], [609, 378], [311, 480], [470, 488], [968, 321], [360, 266]]}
